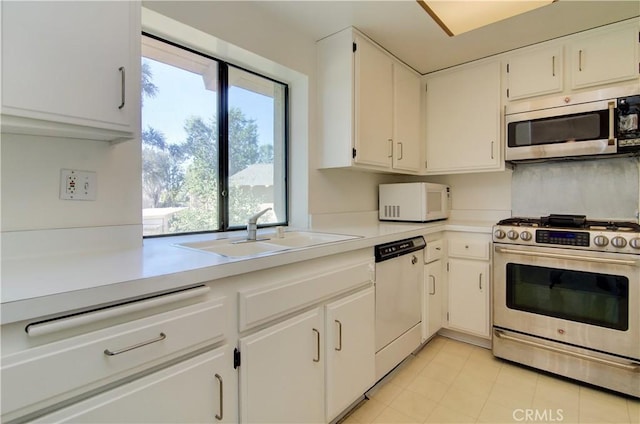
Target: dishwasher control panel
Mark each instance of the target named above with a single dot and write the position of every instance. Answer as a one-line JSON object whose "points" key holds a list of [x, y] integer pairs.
{"points": [[394, 249]]}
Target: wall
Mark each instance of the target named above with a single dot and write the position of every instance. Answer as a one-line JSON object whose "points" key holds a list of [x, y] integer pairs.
{"points": [[30, 166], [31, 183], [485, 196], [244, 25], [606, 188]]}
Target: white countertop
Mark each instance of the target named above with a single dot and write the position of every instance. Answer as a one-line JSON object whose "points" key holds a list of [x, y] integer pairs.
{"points": [[43, 285]]}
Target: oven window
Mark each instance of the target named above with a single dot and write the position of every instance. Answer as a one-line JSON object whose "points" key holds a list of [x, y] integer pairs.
{"points": [[576, 127], [591, 298]]}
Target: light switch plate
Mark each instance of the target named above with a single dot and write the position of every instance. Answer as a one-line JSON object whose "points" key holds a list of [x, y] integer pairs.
{"points": [[77, 185]]}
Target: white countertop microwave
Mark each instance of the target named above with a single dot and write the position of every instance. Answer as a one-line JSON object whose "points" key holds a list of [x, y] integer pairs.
{"points": [[413, 202]]}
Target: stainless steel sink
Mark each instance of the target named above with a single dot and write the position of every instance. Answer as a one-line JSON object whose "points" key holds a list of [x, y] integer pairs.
{"points": [[266, 244]]}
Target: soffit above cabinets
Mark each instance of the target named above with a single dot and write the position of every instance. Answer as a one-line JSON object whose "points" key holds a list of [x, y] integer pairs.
{"points": [[403, 27]]}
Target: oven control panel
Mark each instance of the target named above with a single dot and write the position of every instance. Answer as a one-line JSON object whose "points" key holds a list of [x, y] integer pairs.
{"points": [[602, 241], [565, 238]]}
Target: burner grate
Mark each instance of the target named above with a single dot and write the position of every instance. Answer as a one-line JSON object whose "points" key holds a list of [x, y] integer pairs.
{"points": [[571, 221], [613, 226]]}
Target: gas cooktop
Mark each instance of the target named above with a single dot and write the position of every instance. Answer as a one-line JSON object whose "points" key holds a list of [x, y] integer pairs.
{"points": [[570, 231], [571, 221]]}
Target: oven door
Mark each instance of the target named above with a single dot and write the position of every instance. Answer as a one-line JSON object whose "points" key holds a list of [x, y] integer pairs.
{"points": [[579, 298]]}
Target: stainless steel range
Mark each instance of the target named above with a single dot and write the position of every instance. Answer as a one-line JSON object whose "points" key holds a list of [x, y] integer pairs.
{"points": [[566, 298]]}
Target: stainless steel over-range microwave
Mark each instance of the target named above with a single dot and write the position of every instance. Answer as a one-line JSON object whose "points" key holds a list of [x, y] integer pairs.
{"points": [[603, 122]]}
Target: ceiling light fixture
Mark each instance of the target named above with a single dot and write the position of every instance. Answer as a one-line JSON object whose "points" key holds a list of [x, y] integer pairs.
{"points": [[458, 16]]}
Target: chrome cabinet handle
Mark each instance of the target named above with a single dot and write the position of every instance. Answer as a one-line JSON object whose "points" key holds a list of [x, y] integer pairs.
{"points": [[161, 337], [317, 358], [122, 86], [221, 398], [401, 151], [480, 281], [580, 60], [492, 150], [553, 66], [339, 348], [390, 140], [433, 279]]}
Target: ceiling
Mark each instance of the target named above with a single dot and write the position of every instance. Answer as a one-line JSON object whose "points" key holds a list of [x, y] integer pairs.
{"points": [[407, 31]]}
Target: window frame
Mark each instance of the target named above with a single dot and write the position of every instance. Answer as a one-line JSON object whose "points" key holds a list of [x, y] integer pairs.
{"points": [[223, 142]]}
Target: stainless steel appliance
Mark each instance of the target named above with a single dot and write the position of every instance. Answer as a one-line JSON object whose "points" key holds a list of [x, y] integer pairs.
{"points": [[399, 274], [586, 124], [413, 202], [567, 298]]}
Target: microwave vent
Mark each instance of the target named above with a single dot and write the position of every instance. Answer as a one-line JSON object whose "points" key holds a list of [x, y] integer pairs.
{"points": [[392, 211]]}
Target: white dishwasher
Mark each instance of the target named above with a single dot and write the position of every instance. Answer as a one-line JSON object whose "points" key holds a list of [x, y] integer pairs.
{"points": [[399, 275]]}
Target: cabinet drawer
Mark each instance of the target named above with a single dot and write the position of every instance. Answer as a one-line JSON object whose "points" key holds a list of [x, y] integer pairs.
{"points": [[206, 395], [56, 371], [434, 251], [263, 304], [474, 249]]}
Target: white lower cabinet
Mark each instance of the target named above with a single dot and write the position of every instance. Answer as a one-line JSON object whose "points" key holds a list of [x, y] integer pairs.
{"points": [[288, 370], [433, 299], [47, 375], [349, 350], [469, 283], [282, 372], [433, 289], [197, 390], [469, 296]]}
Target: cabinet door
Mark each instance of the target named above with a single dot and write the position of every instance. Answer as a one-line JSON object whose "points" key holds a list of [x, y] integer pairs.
{"points": [[198, 390], [463, 119], [469, 296], [406, 119], [281, 372], [373, 105], [605, 56], [69, 62], [350, 350], [534, 73], [433, 291]]}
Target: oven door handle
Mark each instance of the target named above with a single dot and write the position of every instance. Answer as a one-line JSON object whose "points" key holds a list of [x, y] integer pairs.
{"points": [[570, 257], [629, 367]]}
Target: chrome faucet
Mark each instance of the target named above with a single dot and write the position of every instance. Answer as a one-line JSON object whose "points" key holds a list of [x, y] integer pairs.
{"points": [[252, 225]]}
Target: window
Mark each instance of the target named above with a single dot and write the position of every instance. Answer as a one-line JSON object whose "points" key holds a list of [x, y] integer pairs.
{"points": [[214, 143]]}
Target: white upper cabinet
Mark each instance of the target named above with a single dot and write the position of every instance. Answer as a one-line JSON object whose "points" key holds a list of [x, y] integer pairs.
{"points": [[605, 56], [463, 116], [369, 105], [373, 105], [535, 72], [406, 120], [71, 69]]}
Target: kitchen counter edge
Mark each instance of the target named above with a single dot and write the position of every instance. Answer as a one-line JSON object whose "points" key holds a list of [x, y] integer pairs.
{"points": [[49, 288]]}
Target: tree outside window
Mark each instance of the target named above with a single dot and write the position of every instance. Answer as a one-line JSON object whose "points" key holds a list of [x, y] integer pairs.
{"points": [[184, 187]]}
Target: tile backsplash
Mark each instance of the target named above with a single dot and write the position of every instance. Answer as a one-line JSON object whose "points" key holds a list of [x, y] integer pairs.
{"points": [[599, 188]]}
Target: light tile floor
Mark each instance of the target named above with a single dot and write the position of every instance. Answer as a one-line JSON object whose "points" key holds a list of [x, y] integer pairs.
{"points": [[453, 382]]}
